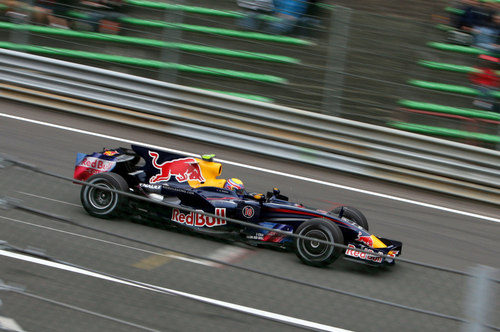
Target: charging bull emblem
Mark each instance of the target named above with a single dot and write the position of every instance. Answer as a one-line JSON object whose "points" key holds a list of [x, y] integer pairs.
{"points": [[365, 239], [183, 169]]}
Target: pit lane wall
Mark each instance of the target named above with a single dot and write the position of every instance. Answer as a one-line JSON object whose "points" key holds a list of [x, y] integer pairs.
{"points": [[274, 130]]}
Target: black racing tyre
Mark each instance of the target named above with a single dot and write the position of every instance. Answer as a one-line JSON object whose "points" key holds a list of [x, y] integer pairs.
{"points": [[352, 214], [103, 203], [316, 253]]}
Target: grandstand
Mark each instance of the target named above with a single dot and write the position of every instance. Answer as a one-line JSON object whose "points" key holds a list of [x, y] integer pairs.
{"points": [[453, 116], [397, 69]]}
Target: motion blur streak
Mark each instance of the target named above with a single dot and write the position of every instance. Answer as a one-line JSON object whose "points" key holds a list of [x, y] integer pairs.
{"points": [[298, 177], [181, 258], [255, 312]]}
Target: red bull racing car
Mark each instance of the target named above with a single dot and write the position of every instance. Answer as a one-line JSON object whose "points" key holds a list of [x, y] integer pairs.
{"points": [[188, 182]]}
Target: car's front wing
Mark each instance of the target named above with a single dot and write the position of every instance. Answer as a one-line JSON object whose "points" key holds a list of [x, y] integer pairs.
{"points": [[369, 255]]}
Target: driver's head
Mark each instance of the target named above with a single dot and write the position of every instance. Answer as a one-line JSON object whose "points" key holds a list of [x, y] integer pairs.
{"points": [[235, 184]]}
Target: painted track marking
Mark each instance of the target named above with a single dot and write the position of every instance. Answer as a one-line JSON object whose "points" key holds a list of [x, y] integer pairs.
{"points": [[49, 199], [293, 176], [8, 324], [175, 256], [228, 305], [154, 261], [229, 254]]}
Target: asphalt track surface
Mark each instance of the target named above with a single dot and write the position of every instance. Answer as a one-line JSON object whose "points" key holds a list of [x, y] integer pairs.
{"points": [[429, 235]]}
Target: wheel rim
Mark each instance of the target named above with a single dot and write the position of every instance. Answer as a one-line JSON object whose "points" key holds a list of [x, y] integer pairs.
{"points": [[101, 199], [315, 248]]}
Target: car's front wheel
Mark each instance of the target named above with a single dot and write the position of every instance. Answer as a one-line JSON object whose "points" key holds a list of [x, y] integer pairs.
{"points": [[103, 203], [316, 253], [352, 214]]}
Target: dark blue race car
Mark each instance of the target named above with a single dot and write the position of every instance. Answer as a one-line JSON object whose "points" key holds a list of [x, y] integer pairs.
{"points": [[189, 182]]}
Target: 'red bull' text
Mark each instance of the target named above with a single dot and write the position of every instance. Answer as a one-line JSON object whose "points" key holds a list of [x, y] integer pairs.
{"points": [[199, 220], [362, 255]]}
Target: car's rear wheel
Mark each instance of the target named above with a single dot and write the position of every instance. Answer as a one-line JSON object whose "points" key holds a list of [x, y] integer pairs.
{"points": [[103, 203], [352, 214], [316, 253]]}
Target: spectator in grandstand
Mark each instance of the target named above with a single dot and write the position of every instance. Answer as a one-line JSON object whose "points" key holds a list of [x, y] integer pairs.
{"points": [[486, 37], [309, 21], [486, 80], [463, 7], [479, 21], [460, 34], [20, 12], [55, 12], [478, 25], [475, 13], [288, 13], [14, 10], [252, 9], [103, 15]]}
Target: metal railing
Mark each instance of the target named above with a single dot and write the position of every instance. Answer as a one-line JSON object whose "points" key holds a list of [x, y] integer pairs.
{"points": [[270, 129]]}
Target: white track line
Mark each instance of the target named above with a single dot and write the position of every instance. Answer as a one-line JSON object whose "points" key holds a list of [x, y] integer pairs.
{"points": [[173, 255], [8, 324], [49, 199], [236, 307], [297, 177]]}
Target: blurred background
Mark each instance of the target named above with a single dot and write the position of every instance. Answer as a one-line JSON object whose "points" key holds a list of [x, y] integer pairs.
{"points": [[405, 66], [425, 67]]}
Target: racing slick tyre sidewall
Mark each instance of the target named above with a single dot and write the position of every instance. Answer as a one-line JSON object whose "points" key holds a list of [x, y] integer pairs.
{"points": [[316, 253], [102, 203], [353, 214]]}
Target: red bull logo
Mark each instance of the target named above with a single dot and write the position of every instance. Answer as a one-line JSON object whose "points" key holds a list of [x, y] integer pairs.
{"points": [[98, 164], [89, 166], [362, 255], [367, 240], [183, 169], [110, 153], [199, 220]]}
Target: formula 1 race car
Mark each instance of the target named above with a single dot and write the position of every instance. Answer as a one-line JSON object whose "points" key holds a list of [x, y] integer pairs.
{"points": [[188, 182]]}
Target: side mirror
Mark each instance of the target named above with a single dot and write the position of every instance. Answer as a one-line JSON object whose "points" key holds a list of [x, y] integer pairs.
{"points": [[259, 197], [341, 212]]}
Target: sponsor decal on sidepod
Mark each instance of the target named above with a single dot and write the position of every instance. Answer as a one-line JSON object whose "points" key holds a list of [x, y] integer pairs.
{"points": [[199, 220], [150, 186]]}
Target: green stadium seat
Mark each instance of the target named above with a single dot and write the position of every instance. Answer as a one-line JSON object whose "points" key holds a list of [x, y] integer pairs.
{"points": [[467, 112], [439, 131], [145, 63], [456, 48], [150, 42], [204, 29], [449, 88]]}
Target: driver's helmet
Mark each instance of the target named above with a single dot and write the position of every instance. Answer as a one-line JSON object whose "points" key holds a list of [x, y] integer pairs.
{"points": [[236, 185]]}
